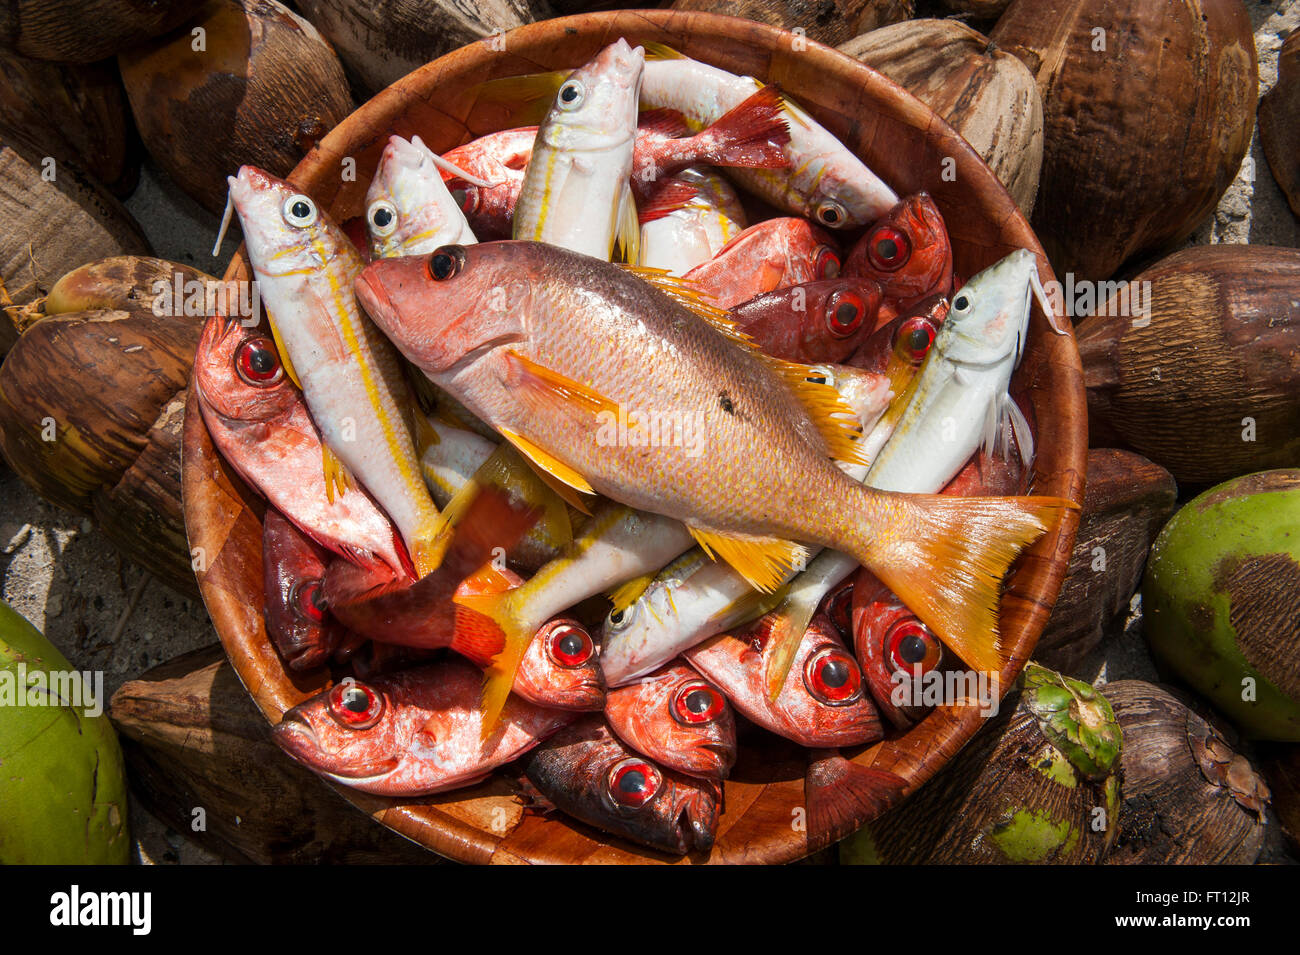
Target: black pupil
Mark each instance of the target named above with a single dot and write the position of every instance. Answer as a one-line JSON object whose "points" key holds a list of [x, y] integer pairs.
{"points": [[569, 94], [261, 361], [835, 673], [314, 598], [699, 701], [818, 379], [443, 265], [887, 248], [633, 782], [356, 700], [570, 645], [300, 210], [846, 313], [912, 649], [616, 617], [919, 340], [830, 215], [961, 304], [383, 217]]}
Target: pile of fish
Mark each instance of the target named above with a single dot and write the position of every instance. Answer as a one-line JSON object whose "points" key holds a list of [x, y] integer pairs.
{"points": [[596, 518]]}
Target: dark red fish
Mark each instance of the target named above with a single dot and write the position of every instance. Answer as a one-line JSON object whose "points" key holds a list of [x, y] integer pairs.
{"points": [[842, 795], [677, 718], [767, 256], [297, 620], [411, 733], [822, 321], [907, 252], [587, 773]]}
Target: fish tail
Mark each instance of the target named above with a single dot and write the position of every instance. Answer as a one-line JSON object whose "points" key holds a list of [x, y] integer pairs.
{"points": [[475, 636], [946, 558], [751, 134], [494, 616], [842, 796], [429, 545]]}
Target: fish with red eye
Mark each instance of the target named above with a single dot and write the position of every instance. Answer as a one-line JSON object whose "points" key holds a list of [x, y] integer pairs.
{"points": [[768, 256], [823, 704], [297, 621], [500, 158], [259, 422], [907, 337], [907, 251], [560, 668], [677, 718], [823, 321], [586, 772], [411, 733], [893, 646]]}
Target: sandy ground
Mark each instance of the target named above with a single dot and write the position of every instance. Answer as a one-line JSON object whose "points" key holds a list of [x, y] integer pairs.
{"points": [[64, 576]]}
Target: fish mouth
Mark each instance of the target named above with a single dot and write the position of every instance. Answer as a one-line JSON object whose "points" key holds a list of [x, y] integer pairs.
{"points": [[296, 737], [373, 297]]}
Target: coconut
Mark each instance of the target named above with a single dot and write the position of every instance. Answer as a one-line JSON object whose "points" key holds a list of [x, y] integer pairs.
{"points": [[1149, 107], [92, 400], [381, 43], [1038, 784], [1188, 798], [985, 94], [1280, 763], [1221, 600], [1279, 122], [63, 787], [826, 21], [83, 31], [262, 90], [55, 219], [75, 113], [1199, 370], [1127, 501]]}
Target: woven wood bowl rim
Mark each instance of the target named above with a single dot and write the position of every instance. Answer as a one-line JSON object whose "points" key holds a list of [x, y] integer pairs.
{"points": [[905, 143]]}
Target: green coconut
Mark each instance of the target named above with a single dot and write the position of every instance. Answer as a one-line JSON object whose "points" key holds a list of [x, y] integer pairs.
{"points": [[62, 783], [1039, 784], [1221, 600]]}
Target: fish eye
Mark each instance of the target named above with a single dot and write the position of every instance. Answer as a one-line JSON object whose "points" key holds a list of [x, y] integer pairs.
{"points": [[910, 646], [697, 702], [913, 339], [830, 213], [963, 303], [568, 644], [633, 782], [833, 677], [307, 600], [826, 263], [258, 363], [467, 198], [620, 619], [382, 217], [354, 705], [446, 262], [844, 313], [571, 95], [888, 249], [299, 211]]}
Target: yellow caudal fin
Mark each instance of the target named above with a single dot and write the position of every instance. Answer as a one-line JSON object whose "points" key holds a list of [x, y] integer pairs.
{"points": [[950, 566], [336, 473], [763, 561], [495, 614]]}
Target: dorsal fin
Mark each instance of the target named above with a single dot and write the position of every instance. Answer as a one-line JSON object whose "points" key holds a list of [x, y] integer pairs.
{"points": [[661, 51]]}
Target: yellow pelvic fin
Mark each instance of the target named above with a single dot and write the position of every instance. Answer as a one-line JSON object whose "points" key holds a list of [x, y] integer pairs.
{"points": [[763, 561], [284, 355], [550, 467], [336, 473], [627, 231], [425, 435], [629, 592], [431, 541]]}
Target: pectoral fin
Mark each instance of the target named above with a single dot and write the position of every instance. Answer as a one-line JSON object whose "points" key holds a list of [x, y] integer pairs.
{"points": [[627, 229], [559, 476]]}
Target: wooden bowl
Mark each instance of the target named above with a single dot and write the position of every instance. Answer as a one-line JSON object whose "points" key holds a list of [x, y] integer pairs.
{"points": [[905, 143]]}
